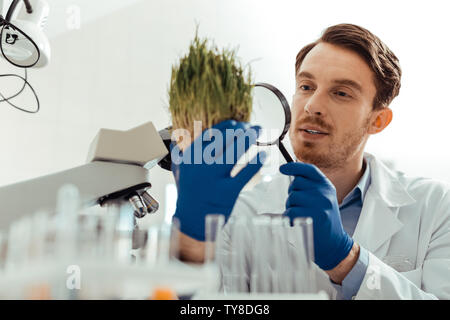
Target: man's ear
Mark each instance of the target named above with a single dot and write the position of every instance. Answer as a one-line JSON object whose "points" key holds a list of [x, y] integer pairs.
{"points": [[380, 120]]}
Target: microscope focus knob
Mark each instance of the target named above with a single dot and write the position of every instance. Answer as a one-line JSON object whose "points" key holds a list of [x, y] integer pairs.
{"points": [[150, 202], [138, 205]]}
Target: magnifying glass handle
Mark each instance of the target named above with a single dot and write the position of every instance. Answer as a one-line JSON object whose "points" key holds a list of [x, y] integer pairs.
{"points": [[284, 152]]}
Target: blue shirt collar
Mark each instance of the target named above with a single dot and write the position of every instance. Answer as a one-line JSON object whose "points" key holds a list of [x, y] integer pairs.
{"points": [[361, 188]]}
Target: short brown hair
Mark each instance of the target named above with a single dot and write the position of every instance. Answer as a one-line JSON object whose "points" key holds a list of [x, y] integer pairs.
{"points": [[377, 55]]}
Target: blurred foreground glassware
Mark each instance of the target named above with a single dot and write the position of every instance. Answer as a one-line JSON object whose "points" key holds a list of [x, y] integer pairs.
{"points": [[213, 228], [305, 280], [161, 244], [269, 255]]}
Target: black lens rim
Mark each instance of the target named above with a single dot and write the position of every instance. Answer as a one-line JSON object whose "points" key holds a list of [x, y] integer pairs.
{"points": [[3, 24], [286, 109]]}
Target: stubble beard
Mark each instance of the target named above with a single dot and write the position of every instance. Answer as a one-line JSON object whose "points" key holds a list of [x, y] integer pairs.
{"points": [[338, 153]]}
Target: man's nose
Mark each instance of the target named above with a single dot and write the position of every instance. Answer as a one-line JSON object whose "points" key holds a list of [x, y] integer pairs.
{"points": [[315, 105]]}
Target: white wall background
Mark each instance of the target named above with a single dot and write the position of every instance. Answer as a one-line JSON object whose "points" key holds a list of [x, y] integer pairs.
{"points": [[114, 71]]}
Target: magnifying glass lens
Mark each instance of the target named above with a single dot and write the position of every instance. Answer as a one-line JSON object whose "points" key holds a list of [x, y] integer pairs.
{"points": [[268, 113]]}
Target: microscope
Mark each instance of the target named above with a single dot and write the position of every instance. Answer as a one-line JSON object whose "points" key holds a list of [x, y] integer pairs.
{"points": [[116, 174]]}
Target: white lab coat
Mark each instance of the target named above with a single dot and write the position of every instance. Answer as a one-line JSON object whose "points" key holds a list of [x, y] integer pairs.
{"points": [[404, 224]]}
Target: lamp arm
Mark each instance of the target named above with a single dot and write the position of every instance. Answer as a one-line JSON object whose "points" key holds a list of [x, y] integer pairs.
{"points": [[28, 6], [13, 6]]}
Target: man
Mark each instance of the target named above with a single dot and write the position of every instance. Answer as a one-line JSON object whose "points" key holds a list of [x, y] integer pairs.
{"points": [[378, 234]]}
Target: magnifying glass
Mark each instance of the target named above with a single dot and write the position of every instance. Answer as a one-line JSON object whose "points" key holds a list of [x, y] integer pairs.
{"points": [[272, 113]]}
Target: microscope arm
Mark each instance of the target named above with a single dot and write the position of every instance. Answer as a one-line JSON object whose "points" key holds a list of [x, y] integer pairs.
{"points": [[96, 181]]}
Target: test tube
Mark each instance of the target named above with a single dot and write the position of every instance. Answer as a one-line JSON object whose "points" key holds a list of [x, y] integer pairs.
{"points": [[25, 228], [17, 254], [68, 204], [174, 239], [239, 254], [275, 254], [282, 273], [123, 236], [40, 224], [3, 247], [213, 227], [13, 249], [161, 245], [107, 228], [40, 287], [261, 280], [304, 273], [290, 272], [164, 239], [151, 246], [223, 253], [87, 241], [50, 246]]}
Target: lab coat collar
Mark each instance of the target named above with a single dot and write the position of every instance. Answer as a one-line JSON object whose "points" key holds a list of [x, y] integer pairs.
{"points": [[386, 184], [378, 221]]}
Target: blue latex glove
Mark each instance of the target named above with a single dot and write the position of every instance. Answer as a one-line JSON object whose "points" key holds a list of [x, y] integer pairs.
{"points": [[311, 194], [208, 188]]}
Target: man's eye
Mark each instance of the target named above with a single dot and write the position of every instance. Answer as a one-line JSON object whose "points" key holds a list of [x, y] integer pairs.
{"points": [[343, 94], [305, 87]]}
